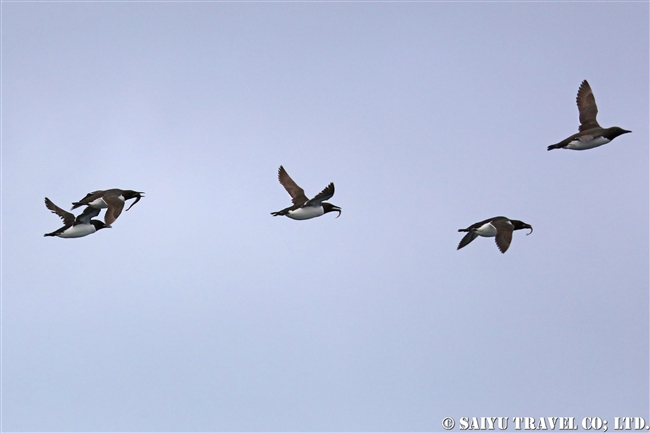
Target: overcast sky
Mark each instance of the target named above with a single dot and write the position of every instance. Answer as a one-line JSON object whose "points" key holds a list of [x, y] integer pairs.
{"points": [[198, 310]]}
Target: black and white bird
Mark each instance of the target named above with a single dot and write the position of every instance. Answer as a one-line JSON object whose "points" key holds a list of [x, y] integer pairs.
{"points": [[82, 225], [111, 199], [590, 134], [499, 227], [304, 208]]}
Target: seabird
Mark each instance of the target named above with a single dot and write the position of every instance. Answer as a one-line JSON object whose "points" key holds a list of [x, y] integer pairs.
{"points": [[499, 227], [113, 199], [590, 134], [77, 227], [304, 208]]}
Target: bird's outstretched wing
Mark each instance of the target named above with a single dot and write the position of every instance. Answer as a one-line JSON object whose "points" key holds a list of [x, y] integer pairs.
{"points": [[115, 206], [587, 107], [504, 234], [85, 216], [297, 194], [67, 217], [469, 237], [325, 194]]}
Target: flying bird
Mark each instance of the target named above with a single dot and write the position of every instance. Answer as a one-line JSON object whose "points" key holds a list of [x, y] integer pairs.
{"points": [[590, 134], [113, 199], [499, 227], [304, 208], [77, 227]]}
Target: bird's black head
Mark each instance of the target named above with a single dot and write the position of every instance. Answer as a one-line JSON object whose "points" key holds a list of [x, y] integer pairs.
{"points": [[522, 225], [615, 131], [129, 194], [99, 225], [329, 207]]}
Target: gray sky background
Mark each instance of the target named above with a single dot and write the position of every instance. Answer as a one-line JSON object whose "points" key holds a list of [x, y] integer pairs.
{"points": [[200, 311]]}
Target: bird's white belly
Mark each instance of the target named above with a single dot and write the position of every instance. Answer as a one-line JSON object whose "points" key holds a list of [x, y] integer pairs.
{"points": [[486, 230], [587, 144], [78, 231], [305, 213]]}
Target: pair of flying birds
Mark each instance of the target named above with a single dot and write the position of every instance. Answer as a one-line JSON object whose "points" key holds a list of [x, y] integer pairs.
{"points": [[303, 208], [590, 134], [82, 225]]}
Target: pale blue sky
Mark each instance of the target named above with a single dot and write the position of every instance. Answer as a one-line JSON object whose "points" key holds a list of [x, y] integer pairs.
{"points": [[198, 310]]}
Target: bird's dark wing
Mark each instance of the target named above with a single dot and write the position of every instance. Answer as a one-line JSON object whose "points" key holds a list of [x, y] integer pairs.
{"points": [[85, 216], [115, 206], [504, 234], [469, 237], [67, 217], [297, 194], [587, 107], [325, 194]]}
